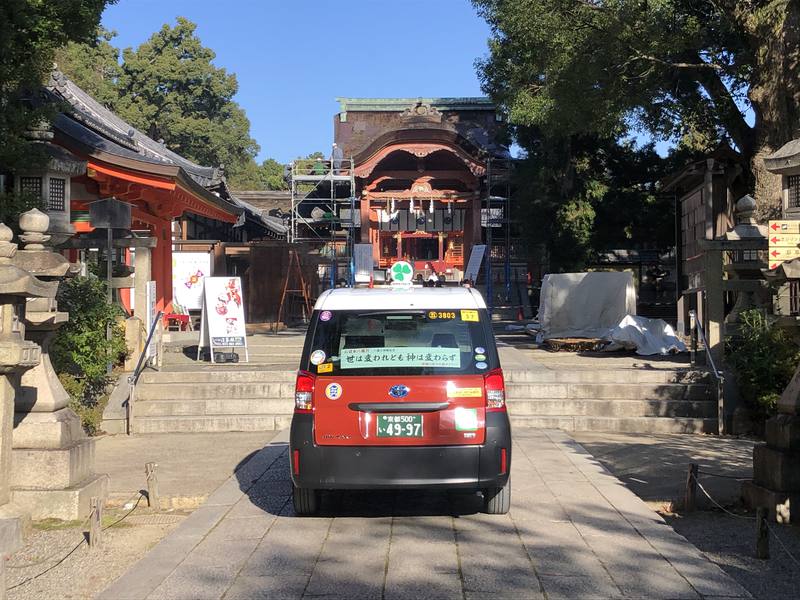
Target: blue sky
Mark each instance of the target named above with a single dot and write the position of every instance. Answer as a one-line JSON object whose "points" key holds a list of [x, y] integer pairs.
{"points": [[292, 59]]}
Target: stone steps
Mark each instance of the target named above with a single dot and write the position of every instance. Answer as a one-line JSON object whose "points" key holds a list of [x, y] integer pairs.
{"points": [[214, 407], [610, 391], [214, 391], [616, 376], [217, 376], [612, 408], [617, 424], [210, 423]]}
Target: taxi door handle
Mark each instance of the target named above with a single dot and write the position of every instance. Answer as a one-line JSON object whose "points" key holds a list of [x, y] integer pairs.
{"points": [[398, 407]]}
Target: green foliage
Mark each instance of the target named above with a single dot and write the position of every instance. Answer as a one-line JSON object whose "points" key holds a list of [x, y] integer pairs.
{"points": [[764, 359], [30, 32], [589, 193], [12, 205], [251, 176], [80, 351], [170, 89], [680, 70]]}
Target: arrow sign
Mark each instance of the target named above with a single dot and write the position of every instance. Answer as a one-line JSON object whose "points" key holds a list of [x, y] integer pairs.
{"points": [[784, 253], [775, 265], [785, 227], [775, 253]]}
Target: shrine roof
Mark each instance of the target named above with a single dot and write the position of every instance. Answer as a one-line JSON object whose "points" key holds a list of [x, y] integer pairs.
{"points": [[785, 158], [93, 125], [401, 104]]}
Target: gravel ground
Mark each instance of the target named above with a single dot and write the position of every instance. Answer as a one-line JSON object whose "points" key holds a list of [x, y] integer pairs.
{"points": [[85, 572], [730, 542]]}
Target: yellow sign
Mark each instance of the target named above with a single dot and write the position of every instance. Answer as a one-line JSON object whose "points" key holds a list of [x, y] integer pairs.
{"points": [[776, 254], [464, 392], [775, 264], [792, 240], [469, 315], [438, 314], [782, 227], [325, 368]]}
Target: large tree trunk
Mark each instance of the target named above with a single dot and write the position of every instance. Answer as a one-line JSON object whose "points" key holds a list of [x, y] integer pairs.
{"points": [[774, 91]]}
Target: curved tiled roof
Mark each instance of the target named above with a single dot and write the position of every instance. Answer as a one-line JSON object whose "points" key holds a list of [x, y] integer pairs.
{"points": [[93, 124]]}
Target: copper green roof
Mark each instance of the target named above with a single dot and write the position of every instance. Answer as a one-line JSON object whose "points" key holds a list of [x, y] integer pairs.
{"points": [[401, 104]]}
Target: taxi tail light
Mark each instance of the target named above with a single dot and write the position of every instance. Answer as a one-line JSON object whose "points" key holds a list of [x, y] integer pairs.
{"points": [[303, 392], [503, 461], [296, 462], [495, 387]]}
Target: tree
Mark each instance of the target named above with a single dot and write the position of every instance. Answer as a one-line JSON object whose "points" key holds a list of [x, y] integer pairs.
{"points": [[30, 32], [666, 66], [170, 89], [272, 175], [94, 66]]}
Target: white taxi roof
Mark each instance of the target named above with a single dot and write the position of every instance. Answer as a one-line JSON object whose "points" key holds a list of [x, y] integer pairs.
{"points": [[398, 298]]}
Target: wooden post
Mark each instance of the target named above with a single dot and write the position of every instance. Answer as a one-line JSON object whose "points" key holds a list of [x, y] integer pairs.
{"points": [[762, 533], [153, 500], [96, 523], [715, 305], [690, 496], [692, 338]]}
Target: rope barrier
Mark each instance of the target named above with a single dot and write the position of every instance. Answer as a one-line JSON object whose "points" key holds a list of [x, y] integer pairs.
{"points": [[720, 475], [78, 545], [769, 526]]}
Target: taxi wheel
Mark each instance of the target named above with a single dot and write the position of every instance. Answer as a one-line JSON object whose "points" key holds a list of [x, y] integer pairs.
{"points": [[497, 501], [305, 501]]}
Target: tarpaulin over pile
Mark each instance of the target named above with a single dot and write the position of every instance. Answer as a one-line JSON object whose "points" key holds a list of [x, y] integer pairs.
{"points": [[585, 305], [646, 336]]}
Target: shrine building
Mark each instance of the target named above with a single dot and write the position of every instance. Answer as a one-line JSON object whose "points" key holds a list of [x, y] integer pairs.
{"points": [[422, 180]]}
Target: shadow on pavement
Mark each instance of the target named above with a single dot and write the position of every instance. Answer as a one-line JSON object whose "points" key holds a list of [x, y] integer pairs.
{"points": [[264, 477]]}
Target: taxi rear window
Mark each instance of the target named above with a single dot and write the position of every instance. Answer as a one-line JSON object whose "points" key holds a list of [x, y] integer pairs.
{"points": [[409, 342]]}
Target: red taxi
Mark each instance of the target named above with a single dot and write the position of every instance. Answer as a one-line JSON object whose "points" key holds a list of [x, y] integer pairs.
{"points": [[400, 388]]}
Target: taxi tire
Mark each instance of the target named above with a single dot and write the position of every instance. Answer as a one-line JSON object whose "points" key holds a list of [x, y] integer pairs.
{"points": [[497, 501], [305, 501]]}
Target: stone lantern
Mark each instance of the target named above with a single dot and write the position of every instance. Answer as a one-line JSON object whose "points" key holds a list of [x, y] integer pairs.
{"points": [[16, 355], [53, 471]]}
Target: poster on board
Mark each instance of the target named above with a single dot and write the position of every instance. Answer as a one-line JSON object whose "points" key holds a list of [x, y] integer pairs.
{"points": [[223, 323], [188, 271], [474, 263]]}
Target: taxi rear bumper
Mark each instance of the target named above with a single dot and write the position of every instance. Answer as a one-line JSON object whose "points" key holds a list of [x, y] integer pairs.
{"points": [[409, 467]]}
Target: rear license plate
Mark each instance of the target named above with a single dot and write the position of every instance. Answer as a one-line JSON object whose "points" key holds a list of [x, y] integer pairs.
{"points": [[399, 425]]}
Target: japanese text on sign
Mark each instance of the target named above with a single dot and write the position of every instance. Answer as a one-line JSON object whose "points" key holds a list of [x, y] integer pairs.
{"points": [[359, 358]]}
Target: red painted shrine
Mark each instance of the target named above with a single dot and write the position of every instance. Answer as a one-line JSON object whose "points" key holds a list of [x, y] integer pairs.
{"points": [[420, 171]]}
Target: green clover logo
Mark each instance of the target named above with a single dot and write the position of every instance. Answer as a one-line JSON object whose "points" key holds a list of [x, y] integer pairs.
{"points": [[400, 271]]}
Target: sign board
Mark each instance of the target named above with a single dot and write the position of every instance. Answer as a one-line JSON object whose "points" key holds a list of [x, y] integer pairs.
{"points": [[474, 262], [784, 242], [362, 258], [401, 273], [188, 271], [223, 323]]}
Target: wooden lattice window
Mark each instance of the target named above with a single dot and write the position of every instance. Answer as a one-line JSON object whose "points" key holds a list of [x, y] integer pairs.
{"points": [[57, 198], [794, 191], [31, 186]]}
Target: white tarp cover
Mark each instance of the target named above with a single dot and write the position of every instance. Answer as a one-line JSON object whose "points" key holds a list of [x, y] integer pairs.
{"points": [[585, 305], [646, 336]]}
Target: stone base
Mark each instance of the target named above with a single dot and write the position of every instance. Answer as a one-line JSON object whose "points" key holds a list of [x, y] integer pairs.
{"points": [[776, 469], [783, 432], [10, 535], [47, 429], [18, 517], [68, 504], [50, 469], [778, 504]]}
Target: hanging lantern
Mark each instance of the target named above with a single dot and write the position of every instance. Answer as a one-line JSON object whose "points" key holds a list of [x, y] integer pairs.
{"points": [[392, 209], [430, 208], [411, 205], [450, 208]]}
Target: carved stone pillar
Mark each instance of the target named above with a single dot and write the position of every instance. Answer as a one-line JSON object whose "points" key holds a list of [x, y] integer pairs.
{"points": [[53, 460], [16, 355]]}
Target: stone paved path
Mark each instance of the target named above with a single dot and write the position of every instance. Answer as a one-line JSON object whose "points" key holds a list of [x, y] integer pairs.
{"points": [[574, 531]]}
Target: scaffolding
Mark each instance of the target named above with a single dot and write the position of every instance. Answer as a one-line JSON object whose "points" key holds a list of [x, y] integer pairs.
{"points": [[325, 211], [502, 244]]}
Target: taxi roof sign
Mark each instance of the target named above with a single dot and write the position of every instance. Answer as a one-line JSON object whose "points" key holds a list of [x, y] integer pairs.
{"points": [[402, 273]]}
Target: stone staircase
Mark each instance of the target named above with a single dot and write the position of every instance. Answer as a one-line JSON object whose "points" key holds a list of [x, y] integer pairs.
{"points": [[613, 400], [222, 399], [551, 390]]}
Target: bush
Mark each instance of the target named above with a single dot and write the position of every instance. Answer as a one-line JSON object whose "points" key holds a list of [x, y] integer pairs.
{"points": [[80, 350], [764, 359]]}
